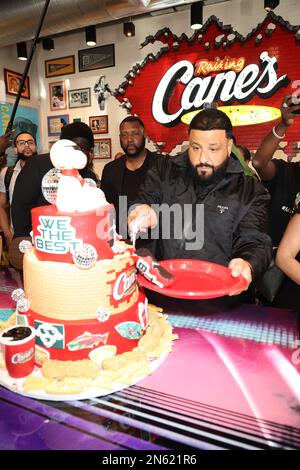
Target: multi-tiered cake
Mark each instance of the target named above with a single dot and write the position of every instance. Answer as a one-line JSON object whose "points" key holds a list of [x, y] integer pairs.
{"points": [[80, 282]]}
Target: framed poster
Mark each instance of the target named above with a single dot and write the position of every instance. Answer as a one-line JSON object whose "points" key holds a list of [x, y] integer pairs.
{"points": [[55, 123], [79, 98], [12, 83], [99, 124], [26, 120], [57, 95], [60, 66], [50, 143], [102, 149], [96, 58]]}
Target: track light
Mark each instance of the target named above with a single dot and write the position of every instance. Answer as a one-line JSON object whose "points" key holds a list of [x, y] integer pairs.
{"points": [[129, 29], [48, 44], [90, 35], [22, 50], [271, 4], [196, 15]]}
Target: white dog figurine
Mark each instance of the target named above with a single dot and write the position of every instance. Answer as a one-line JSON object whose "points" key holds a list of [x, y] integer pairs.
{"points": [[73, 194]]}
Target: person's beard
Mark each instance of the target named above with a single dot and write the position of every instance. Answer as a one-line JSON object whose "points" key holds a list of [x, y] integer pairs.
{"points": [[217, 174], [138, 149], [21, 156]]}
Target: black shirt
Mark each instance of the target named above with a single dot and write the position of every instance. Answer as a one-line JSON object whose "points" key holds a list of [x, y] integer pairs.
{"points": [[132, 180], [117, 181], [283, 189]]}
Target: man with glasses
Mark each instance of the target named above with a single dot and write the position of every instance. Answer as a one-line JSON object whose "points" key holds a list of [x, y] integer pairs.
{"points": [[25, 148]]}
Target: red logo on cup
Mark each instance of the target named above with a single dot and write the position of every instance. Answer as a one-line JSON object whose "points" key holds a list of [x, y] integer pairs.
{"points": [[20, 358]]}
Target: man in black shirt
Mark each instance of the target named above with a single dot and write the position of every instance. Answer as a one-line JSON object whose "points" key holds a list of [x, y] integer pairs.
{"points": [[283, 182], [280, 177], [124, 176]]}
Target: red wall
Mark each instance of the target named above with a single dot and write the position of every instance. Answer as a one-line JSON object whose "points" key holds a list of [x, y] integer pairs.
{"points": [[282, 43]]}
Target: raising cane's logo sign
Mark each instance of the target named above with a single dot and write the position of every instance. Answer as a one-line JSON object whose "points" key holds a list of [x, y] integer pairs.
{"points": [[257, 69], [124, 285], [237, 84]]}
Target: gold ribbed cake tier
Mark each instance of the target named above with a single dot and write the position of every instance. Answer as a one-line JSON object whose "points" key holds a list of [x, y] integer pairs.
{"points": [[65, 292]]}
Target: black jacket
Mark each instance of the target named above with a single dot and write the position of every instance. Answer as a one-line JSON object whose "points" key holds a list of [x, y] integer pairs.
{"points": [[113, 173], [112, 183], [235, 214], [28, 192]]}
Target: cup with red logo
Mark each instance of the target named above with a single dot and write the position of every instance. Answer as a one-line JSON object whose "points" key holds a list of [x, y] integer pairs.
{"points": [[18, 345]]}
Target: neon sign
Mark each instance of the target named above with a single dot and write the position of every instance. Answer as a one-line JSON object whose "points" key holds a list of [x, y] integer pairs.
{"points": [[204, 66]]}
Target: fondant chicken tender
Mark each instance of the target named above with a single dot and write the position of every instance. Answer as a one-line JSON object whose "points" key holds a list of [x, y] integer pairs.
{"points": [[53, 369], [151, 340], [132, 371], [117, 362], [33, 383], [68, 386]]}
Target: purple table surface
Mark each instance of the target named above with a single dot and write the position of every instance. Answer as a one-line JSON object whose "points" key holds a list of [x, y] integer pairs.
{"points": [[231, 382]]}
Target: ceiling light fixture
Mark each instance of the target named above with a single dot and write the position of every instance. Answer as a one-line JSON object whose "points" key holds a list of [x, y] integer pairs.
{"points": [[271, 4], [196, 15], [22, 50], [129, 29], [90, 36], [48, 44]]}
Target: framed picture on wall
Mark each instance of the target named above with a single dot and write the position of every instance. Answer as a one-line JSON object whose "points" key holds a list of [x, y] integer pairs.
{"points": [[60, 66], [12, 83], [96, 58], [99, 124], [50, 143], [79, 98], [57, 95], [55, 123], [102, 149]]}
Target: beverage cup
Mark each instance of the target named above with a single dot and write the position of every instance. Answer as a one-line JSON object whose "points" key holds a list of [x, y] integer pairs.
{"points": [[18, 345]]}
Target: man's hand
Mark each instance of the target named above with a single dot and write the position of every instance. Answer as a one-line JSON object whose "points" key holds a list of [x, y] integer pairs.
{"points": [[288, 105], [5, 141], [141, 218], [239, 266]]}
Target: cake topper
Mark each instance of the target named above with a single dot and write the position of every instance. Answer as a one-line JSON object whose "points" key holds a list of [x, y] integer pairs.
{"points": [[73, 194]]}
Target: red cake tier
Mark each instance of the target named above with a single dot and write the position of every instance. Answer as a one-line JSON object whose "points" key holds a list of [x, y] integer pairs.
{"points": [[72, 340], [58, 234]]}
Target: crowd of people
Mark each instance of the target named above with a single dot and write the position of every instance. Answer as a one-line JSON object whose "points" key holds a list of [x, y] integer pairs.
{"points": [[202, 204]]}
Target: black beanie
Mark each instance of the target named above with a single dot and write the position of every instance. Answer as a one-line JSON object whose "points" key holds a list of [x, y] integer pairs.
{"points": [[77, 129]]}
